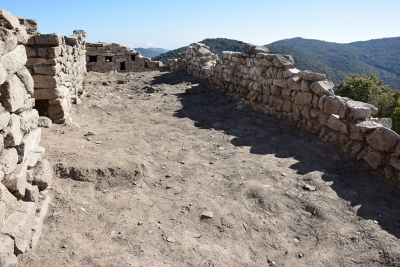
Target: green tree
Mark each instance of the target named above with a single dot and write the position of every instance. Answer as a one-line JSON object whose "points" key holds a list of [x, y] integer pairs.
{"points": [[369, 89]]}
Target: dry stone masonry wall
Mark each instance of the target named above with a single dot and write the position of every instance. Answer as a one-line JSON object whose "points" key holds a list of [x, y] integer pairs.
{"points": [[24, 174], [102, 57], [271, 84], [58, 65]]}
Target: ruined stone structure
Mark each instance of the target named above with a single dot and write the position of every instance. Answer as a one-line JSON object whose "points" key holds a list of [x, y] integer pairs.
{"points": [[58, 65], [269, 83], [102, 57], [24, 174]]}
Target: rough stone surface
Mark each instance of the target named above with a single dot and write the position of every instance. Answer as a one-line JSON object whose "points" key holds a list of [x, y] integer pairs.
{"points": [[311, 76], [19, 226], [43, 174], [383, 139]]}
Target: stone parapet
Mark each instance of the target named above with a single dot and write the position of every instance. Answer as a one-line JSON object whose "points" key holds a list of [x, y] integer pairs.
{"points": [[58, 66], [103, 57], [270, 83], [22, 192]]}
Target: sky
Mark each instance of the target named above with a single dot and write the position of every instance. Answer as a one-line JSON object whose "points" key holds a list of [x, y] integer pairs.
{"points": [[172, 24]]}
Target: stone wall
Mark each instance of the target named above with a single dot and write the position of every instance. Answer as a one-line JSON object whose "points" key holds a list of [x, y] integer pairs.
{"points": [[102, 57], [24, 174], [58, 65], [270, 83]]}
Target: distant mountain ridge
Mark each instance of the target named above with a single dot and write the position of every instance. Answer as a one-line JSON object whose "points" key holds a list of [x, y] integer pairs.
{"points": [[151, 51], [378, 56]]}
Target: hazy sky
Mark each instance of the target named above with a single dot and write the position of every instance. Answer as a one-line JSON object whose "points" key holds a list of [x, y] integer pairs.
{"points": [[174, 23]]}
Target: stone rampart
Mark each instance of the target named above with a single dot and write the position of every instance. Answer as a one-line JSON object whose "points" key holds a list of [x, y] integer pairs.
{"points": [[102, 57], [270, 83], [24, 174], [58, 65]]}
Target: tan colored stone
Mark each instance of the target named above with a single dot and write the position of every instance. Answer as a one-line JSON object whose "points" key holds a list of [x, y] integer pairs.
{"points": [[29, 120], [4, 120], [335, 105], [34, 157], [45, 82], [7, 257], [383, 139], [16, 181], [44, 122], [311, 76], [12, 22], [13, 94], [31, 193], [303, 98], [12, 134], [8, 160], [11, 62], [43, 174], [26, 78], [49, 39], [322, 88], [29, 143], [18, 226], [54, 93], [38, 223]]}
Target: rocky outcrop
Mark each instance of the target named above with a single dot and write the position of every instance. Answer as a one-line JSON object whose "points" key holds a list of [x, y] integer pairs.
{"points": [[270, 83]]}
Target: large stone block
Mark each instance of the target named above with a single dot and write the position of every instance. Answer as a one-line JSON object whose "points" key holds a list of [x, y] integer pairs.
{"points": [[311, 76], [54, 39], [29, 143], [37, 226], [13, 134], [335, 105], [383, 139], [16, 181], [8, 41], [43, 174], [11, 62], [9, 201], [34, 157], [40, 61], [7, 257], [322, 88], [374, 159], [19, 226], [358, 111], [358, 130], [26, 78], [59, 92], [13, 94], [303, 98], [29, 120], [4, 120], [8, 160], [336, 124], [12, 22], [45, 81]]}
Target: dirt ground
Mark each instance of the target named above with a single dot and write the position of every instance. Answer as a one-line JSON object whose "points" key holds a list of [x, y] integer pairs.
{"points": [[162, 169]]}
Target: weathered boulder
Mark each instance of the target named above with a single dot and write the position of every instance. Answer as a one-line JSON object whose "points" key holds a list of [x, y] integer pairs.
{"points": [[336, 124], [29, 143], [16, 181], [322, 88], [13, 94], [8, 160], [7, 257], [43, 174], [374, 159], [358, 110], [383, 139], [303, 98], [18, 226], [12, 22], [311, 76]]}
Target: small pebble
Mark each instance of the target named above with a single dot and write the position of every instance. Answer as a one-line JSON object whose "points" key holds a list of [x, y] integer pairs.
{"points": [[207, 214]]}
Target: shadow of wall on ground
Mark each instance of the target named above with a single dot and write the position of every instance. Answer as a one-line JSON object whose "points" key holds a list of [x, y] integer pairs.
{"points": [[209, 107]]}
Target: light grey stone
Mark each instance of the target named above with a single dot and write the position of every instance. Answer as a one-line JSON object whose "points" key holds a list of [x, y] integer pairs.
{"points": [[383, 139], [8, 160], [311, 76], [336, 124], [358, 110], [43, 174], [29, 143], [322, 88], [12, 134], [13, 94], [19, 225], [374, 159]]}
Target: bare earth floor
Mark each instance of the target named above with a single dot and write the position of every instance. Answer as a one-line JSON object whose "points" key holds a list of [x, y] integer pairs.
{"points": [[152, 154]]}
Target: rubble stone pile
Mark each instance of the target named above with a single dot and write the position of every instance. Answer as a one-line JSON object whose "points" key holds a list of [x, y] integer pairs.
{"points": [[103, 57], [58, 66], [271, 84], [24, 174]]}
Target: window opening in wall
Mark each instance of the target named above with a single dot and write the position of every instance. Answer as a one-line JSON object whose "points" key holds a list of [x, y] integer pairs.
{"points": [[133, 57], [92, 58], [145, 65], [122, 66], [42, 106], [109, 59]]}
